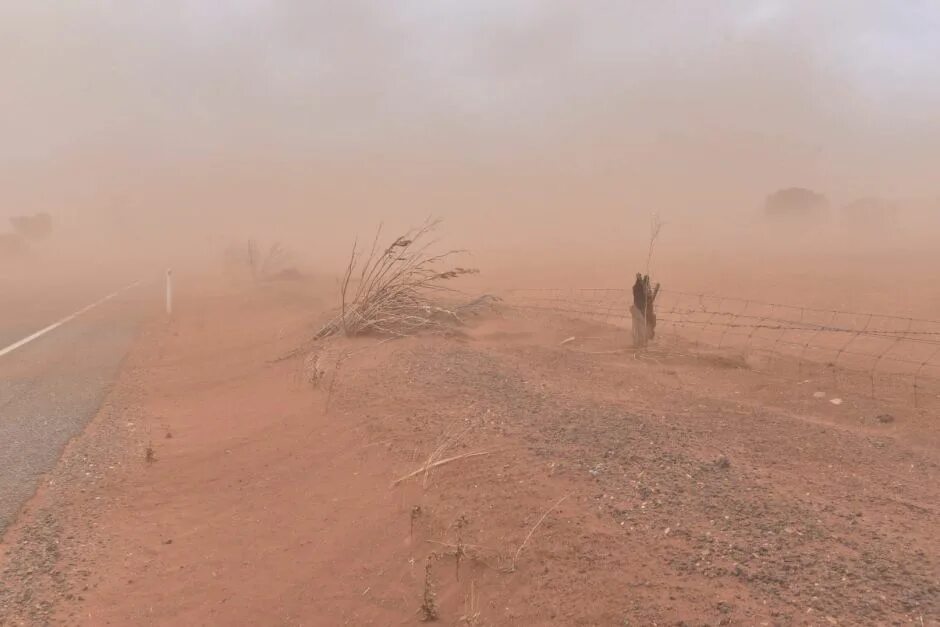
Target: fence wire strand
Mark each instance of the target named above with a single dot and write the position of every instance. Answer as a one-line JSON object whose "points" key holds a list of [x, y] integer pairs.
{"points": [[888, 353]]}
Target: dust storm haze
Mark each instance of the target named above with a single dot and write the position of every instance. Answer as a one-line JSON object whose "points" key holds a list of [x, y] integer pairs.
{"points": [[543, 134]]}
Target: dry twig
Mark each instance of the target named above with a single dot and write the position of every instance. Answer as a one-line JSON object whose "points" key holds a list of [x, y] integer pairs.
{"points": [[515, 557], [656, 225], [427, 467]]}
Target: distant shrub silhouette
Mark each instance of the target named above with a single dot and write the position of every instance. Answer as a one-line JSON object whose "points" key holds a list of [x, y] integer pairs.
{"points": [[796, 203]]}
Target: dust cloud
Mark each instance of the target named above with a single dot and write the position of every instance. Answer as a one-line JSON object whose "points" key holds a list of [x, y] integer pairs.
{"points": [[544, 134]]}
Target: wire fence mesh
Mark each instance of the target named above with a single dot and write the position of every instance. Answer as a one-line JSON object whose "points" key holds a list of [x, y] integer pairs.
{"points": [[888, 357]]}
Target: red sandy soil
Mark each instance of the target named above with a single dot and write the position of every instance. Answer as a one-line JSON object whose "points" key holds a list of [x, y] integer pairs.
{"points": [[615, 489]]}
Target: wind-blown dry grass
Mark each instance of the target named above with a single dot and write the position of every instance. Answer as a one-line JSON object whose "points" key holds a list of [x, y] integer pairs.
{"points": [[396, 288]]}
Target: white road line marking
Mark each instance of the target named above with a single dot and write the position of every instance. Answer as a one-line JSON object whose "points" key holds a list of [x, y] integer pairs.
{"points": [[56, 325]]}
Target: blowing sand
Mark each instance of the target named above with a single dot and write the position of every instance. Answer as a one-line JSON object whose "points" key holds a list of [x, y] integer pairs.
{"points": [[672, 487]]}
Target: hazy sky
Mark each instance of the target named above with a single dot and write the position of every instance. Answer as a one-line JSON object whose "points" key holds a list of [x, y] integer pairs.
{"points": [[476, 107]]}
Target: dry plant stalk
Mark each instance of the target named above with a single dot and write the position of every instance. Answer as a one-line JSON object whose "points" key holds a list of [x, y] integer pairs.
{"points": [[475, 552], [448, 440], [395, 286], [515, 557], [429, 611], [329, 394], [471, 613], [415, 513], [427, 467], [460, 551], [656, 225]]}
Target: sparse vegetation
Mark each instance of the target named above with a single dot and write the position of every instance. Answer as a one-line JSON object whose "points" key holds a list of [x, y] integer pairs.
{"points": [[447, 440], [430, 465]]}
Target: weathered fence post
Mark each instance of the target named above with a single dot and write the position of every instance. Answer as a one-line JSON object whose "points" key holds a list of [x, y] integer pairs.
{"points": [[640, 338], [169, 291], [642, 311]]}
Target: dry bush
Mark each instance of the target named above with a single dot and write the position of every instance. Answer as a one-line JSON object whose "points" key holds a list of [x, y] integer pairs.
{"points": [[398, 289], [258, 262]]}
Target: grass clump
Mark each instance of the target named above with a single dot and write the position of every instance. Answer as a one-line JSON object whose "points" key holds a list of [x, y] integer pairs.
{"points": [[396, 290]]}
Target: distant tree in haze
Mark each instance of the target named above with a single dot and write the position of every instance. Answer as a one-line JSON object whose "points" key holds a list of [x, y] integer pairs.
{"points": [[869, 214], [796, 204], [33, 227]]}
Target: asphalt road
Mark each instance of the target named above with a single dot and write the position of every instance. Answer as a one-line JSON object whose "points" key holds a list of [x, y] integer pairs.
{"points": [[51, 387]]}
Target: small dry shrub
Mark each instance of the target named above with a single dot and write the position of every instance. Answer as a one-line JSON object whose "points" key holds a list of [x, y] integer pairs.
{"points": [[398, 288], [252, 260]]}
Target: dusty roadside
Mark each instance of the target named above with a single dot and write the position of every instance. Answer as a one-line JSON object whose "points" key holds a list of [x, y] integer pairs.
{"points": [[606, 489]]}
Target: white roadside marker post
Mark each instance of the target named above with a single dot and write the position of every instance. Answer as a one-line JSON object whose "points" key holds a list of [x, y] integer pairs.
{"points": [[169, 291]]}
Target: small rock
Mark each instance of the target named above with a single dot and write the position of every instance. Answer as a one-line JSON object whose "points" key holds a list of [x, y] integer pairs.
{"points": [[885, 418], [835, 401], [819, 395]]}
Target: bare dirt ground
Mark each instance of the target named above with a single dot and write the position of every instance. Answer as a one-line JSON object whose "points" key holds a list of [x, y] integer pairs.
{"points": [[218, 485]]}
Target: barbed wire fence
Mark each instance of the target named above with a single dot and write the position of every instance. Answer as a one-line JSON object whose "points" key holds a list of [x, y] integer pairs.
{"points": [[887, 357]]}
